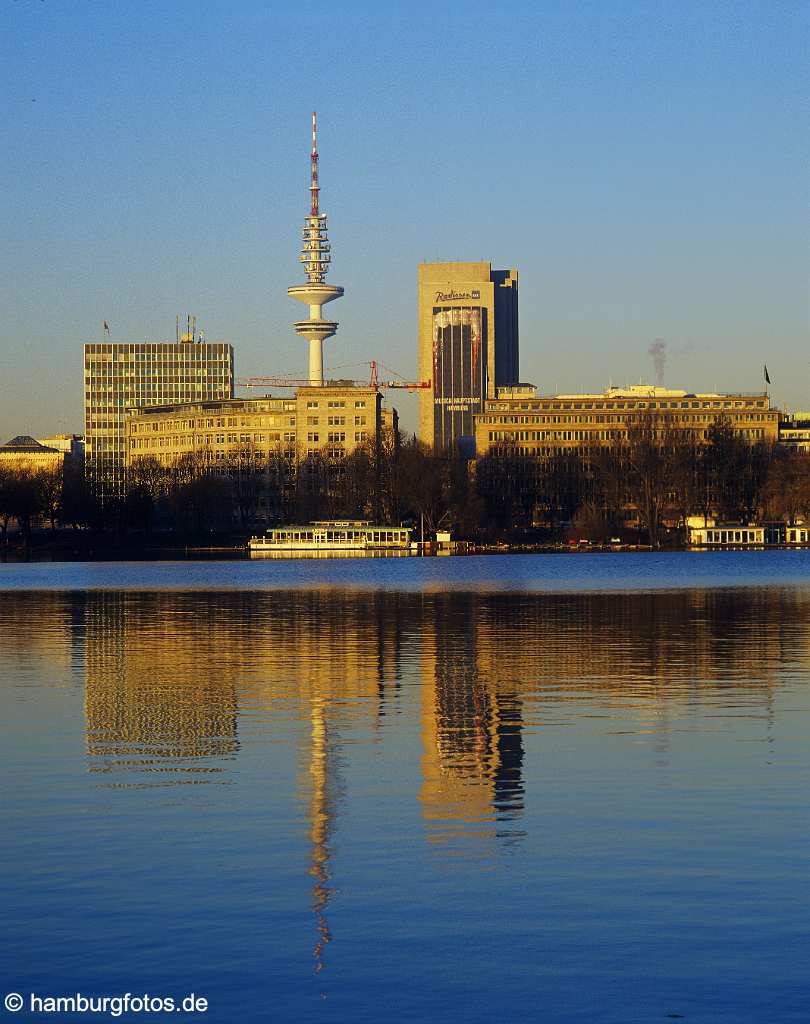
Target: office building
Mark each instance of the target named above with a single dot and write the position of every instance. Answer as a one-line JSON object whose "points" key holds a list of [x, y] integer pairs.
{"points": [[468, 346], [329, 421], [530, 425], [794, 431], [118, 377]]}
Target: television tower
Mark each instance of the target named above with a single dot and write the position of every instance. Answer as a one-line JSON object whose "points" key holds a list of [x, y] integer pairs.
{"points": [[315, 293]]}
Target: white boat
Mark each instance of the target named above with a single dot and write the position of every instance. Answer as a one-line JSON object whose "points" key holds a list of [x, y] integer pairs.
{"points": [[332, 537]]}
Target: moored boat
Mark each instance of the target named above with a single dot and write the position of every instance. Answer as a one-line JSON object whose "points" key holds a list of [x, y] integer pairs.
{"points": [[332, 536]]}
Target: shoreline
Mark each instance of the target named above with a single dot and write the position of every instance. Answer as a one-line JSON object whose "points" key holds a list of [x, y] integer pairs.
{"points": [[60, 552]]}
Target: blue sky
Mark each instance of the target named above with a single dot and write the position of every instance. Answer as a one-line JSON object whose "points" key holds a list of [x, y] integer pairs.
{"points": [[643, 165]]}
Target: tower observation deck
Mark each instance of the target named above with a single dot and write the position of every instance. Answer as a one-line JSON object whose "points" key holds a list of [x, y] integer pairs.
{"points": [[315, 256]]}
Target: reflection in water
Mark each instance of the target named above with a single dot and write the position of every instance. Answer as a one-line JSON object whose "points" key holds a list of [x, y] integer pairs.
{"points": [[471, 726], [160, 694], [322, 806], [175, 681], [170, 676]]}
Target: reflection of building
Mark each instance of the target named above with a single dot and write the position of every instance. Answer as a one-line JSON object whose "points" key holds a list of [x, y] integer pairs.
{"points": [[155, 692], [118, 377], [38, 630], [529, 424], [471, 725], [468, 345]]}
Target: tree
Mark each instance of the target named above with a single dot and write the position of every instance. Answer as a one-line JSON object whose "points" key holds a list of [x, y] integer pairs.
{"points": [[25, 498], [6, 498], [565, 483], [198, 497], [786, 494], [147, 481], [80, 505], [51, 485], [506, 484], [726, 458], [426, 484], [652, 455]]}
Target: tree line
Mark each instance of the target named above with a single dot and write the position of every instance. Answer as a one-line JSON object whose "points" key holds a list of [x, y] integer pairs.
{"points": [[647, 481]]}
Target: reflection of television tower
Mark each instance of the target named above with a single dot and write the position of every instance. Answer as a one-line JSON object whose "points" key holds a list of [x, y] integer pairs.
{"points": [[315, 257]]}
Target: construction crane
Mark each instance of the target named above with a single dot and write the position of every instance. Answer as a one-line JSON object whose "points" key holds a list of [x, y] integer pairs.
{"points": [[373, 382]]}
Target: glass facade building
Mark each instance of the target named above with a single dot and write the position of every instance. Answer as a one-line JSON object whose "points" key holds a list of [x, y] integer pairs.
{"points": [[118, 377], [468, 347], [459, 370]]}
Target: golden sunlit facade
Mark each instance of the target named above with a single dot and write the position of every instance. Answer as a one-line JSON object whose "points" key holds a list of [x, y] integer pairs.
{"points": [[27, 454], [468, 345], [330, 421], [535, 425], [119, 377]]}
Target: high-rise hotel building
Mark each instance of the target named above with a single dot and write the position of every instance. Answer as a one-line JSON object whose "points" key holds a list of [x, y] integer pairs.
{"points": [[468, 346], [118, 377]]}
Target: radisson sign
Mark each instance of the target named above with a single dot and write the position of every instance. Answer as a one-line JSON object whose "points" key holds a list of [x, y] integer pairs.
{"points": [[455, 296]]}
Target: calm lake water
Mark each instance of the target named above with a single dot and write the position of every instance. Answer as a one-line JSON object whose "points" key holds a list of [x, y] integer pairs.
{"points": [[522, 788]]}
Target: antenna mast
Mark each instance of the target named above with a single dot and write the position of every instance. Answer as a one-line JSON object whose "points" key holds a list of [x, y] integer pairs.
{"points": [[314, 188]]}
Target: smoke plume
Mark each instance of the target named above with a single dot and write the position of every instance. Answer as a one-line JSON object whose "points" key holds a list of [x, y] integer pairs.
{"points": [[658, 351]]}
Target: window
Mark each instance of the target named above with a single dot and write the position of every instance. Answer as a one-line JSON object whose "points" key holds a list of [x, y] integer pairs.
{"points": [[311, 438], [359, 405], [312, 421], [312, 405]]}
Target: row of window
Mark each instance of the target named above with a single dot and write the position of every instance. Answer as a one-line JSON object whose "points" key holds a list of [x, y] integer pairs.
{"points": [[160, 426], [151, 442], [680, 404], [335, 404], [186, 440], [748, 417], [734, 536], [753, 433], [335, 421]]}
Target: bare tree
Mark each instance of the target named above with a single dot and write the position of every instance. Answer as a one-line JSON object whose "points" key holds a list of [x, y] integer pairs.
{"points": [[786, 494]]}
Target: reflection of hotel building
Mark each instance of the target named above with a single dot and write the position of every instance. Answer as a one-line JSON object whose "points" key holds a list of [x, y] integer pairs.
{"points": [[472, 744], [468, 345], [530, 424]]}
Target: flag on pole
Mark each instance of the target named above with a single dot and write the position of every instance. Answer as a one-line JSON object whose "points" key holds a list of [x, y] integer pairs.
{"points": [[106, 328], [767, 378]]}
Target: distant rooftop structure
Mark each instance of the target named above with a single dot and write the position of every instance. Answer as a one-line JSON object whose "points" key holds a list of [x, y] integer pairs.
{"points": [[23, 443], [516, 391], [656, 391]]}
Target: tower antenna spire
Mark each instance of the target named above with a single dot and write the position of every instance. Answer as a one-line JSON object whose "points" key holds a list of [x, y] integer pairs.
{"points": [[314, 188]]}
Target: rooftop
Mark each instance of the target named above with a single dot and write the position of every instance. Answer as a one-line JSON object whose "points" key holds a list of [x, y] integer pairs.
{"points": [[24, 443]]}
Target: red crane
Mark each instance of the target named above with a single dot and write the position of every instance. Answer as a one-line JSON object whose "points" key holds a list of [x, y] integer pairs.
{"points": [[374, 381]]}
